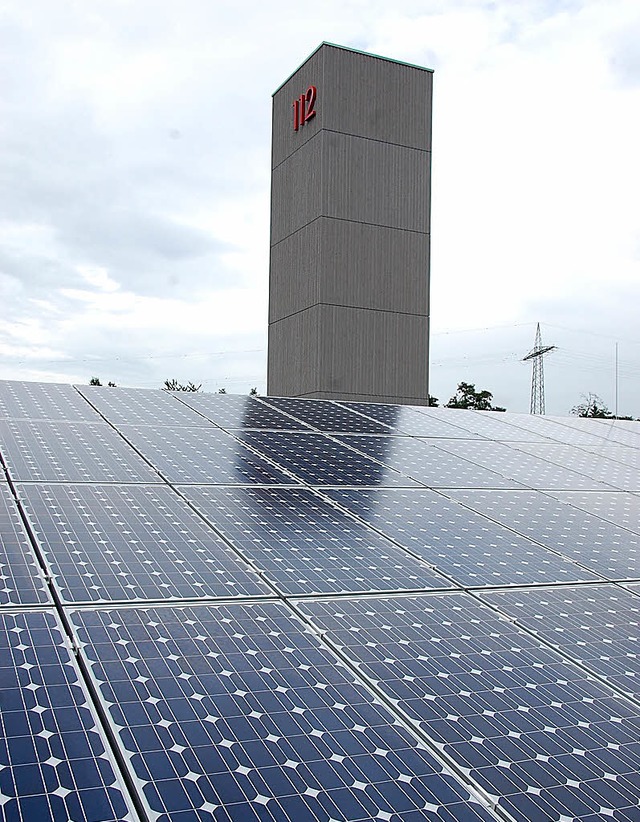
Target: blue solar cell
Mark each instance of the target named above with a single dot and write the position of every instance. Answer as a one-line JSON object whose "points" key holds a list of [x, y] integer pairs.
{"points": [[619, 508], [319, 460], [413, 420], [304, 545], [233, 411], [123, 406], [110, 543], [487, 425], [69, 452], [618, 453], [53, 762], [44, 401], [597, 465], [469, 548], [592, 542], [325, 415], [566, 430], [597, 625], [21, 580], [519, 467], [510, 710], [622, 432], [203, 455], [416, 458], [252, 719]]}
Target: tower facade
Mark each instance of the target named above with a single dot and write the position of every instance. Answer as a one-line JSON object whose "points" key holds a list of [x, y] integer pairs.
{"points": [[350, 230]]}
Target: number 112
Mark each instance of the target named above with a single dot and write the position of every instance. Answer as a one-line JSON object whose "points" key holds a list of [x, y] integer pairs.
{"points": [[304, 108]]}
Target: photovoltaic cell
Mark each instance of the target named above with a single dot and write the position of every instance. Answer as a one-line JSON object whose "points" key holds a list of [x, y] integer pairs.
{"points": [[319, 460], [417, 459], [513, 464], [235, 713], [620, 508], [614, 432], [596, 625], [21, 580], [594, 543], [404, 419], [483, 424], [304, 545], [627, 433], [203, 455], [234, 411], [69, 452], [560, 430], [467, 547], [536, 732], [40, 401], [53, 763], [618, 453], [597, 466], [123, 543], [326, 415], [122, 406]]}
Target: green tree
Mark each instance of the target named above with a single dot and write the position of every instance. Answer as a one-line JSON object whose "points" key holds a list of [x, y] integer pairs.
{"points": [[222, 390], [467, 397], [433, 402], [253, 392], [174, 385], [593, 406], [96, 381]]}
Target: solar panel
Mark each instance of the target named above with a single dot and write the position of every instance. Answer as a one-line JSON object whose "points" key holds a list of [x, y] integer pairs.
{"points": [[326, 415], [596, 625], [121, 543], [542, 737], [621, 431], [598, 466], [232, 411], [202, 455], [469, 548], [592, 542], [21, 580], [435, 468], [513, 464], [69, 452], [620, 508], [122, 406], [561, 429], [54, 763], [281, 624], [304, 545], [411, 420], [39, 401], [317, 459], [237, 713], [482, 424]]}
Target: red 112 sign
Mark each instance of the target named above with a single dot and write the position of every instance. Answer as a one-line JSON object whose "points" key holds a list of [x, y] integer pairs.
{"points": [[304, 108]]}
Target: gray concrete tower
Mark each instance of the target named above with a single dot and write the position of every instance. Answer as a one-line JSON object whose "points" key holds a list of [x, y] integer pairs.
{"points": [[350, 223]]}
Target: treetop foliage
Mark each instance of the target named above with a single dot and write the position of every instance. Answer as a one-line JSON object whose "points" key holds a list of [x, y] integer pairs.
{"points": [[174, 385], [593, 406], [467, 397], [96, 381]]}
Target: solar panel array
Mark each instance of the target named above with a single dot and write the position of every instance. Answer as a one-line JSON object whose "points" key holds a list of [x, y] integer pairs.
{"points": [[239, 608]]}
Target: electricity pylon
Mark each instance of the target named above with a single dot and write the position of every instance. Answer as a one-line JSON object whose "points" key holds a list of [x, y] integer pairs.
{"points": [[537, 377]]}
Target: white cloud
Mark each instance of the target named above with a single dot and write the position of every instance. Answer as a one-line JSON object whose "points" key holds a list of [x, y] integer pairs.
{"points": [[134, 212]]}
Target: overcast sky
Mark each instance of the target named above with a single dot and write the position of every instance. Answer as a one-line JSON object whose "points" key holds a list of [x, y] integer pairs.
{"points": [[134, 196]]}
